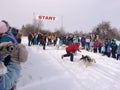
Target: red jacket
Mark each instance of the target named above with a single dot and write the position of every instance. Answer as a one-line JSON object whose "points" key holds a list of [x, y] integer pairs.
{"points": [[73, 48]]}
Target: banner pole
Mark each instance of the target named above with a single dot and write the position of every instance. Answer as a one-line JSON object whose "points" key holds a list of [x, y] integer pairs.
{"points": [[34, 21]]}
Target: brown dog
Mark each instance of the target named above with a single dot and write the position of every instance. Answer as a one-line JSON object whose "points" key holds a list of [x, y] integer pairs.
{"points": [[87, 59]]}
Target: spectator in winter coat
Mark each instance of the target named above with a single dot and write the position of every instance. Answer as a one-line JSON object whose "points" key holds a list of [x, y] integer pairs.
{"points": [[103, 49], [100, 44], [114, 48], [106, 43], [95, 46], [83, 42], [108, 50], [49, 37], [54, 39], [19, 37], [35, 39], [87, 43], [71, 50], [76, 39], [44, 41], [118, 52], [29, 39], [59, 42], [69, 40], [9, 59], [39, 38], [91, 45]]}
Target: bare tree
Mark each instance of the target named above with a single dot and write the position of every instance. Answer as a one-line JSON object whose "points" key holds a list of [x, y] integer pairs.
{"points": [[105, 30]]}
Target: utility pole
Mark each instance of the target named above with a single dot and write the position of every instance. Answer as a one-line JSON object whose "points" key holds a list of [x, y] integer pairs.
{"points": [[61, 22]]}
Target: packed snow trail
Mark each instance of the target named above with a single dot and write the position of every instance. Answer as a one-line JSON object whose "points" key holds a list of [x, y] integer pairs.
{"points": [[45, 70], [48, 73]]}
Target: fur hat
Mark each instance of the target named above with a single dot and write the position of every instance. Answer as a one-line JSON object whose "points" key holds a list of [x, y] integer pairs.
{"points": [[4, 48], [23, 53], [3, 27], [20, 54]]}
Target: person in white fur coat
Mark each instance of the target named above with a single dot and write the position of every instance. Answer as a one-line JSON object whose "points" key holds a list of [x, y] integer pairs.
{"points": [[10, 73]]}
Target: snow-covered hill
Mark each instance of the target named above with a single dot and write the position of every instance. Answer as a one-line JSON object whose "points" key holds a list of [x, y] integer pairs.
{"points": [[45, 70]]}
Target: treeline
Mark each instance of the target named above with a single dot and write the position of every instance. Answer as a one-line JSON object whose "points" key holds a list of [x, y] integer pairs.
{"points": [[104, 30]]}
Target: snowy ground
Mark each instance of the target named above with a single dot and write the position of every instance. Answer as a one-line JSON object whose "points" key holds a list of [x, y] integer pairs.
{"points": [[45, 70]]}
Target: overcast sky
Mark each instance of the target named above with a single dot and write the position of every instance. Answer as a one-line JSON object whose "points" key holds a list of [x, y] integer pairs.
{"points": [[77, 14]]}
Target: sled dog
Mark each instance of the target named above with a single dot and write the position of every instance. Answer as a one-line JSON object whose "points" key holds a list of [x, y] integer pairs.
{"points": [[87, 59]]}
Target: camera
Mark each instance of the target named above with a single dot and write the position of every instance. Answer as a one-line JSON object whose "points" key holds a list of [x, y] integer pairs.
{"points": [[10, 48]]}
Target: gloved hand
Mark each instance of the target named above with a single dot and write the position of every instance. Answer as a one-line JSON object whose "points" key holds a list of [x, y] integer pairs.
{"points": [[6, 48], [20, 54], [3, 69]]}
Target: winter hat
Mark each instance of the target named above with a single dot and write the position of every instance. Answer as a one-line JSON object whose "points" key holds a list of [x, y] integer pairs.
{"points": [[3, 27], [6, 23]]}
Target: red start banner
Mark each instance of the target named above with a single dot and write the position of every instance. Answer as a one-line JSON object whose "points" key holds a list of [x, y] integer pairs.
{"points": [[46, 18]]}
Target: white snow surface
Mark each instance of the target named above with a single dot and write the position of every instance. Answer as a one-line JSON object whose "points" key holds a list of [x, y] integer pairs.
{"points": [[45, 70]]}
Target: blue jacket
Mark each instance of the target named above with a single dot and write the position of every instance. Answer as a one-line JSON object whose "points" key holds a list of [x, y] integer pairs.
{"points": [[9, 80], [75, 40], [83, 40], [8, 37], [109, 49], [11, 77], [91, 43], [118, 49], [60, 42], [2, 85], [103, 48]]}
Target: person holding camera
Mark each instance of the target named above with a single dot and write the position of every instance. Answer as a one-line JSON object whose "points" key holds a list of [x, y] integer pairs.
{"points": [[16, 53]]}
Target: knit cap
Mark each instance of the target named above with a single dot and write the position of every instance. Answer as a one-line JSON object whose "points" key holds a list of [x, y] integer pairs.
{"points": [[3, 27]]}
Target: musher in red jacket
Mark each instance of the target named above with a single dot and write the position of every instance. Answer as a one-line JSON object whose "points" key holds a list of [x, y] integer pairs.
{"points": [[71, 50]]}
